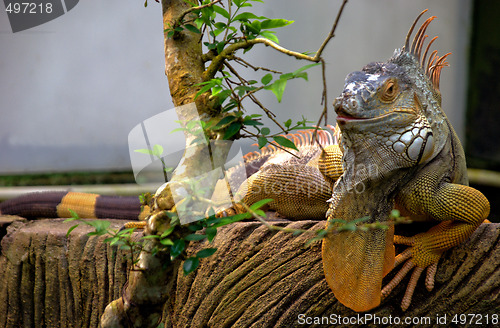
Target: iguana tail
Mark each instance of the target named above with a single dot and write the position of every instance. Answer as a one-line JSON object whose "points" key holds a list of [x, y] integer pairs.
{"points": [[57, 204]]}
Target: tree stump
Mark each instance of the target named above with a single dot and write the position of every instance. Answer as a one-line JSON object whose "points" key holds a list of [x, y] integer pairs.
{"points": [[257, 278]]}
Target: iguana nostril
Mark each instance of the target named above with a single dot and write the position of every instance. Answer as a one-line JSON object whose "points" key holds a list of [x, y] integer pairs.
{"points": [[353, 104], [337, 103]]}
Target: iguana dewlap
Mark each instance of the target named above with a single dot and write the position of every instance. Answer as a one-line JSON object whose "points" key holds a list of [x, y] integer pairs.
{"points": [[391, 121]]}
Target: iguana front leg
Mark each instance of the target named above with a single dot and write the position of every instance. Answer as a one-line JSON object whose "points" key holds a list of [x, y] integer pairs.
{"points": [[461, 209]]}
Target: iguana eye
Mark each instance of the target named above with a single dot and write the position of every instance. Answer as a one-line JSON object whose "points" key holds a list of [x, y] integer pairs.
{"points": [[389, 91]]}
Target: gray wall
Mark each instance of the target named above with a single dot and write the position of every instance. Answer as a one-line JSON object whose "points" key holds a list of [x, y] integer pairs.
{"points": [[72, 89]]}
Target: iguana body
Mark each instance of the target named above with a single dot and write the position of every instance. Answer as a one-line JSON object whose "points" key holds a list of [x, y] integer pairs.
{"points": [[398, 150]]}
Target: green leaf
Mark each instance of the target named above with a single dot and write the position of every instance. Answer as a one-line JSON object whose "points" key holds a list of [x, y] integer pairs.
{"points": [[167, 242], [232, 129], [260, 203], [194, 237], [167, 232], [177, 247], [144, 151], [221, 11], [206, 252], [249, 121], [246, 16], [285, 142], [232, 219], [157, 150], [212, 231], [278, 88], [192, 28], [100, 226], [70, 229], [275, 23], [303, 68], [288, 123], [266, 78], [262, 141], [265, 131], [190, 265], [270, 36], [74, 215]]}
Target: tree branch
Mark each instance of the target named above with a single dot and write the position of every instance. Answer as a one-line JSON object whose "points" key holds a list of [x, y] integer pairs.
{"points": [[229, 50]]}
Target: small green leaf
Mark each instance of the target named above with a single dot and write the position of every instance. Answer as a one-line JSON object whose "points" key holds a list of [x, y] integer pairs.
{"points": [[285, 142], [245, 17], [255, 206], [206, 252], [232, 219], [211, 232], [190, 265], [192, 28], [74, 215], [144, 151], [194, 237], [221, 11], [177, 247], [270, 36], [266, 78], [265, 131], [303, 68], [288, 123], [166, 242], [167, 232], [232, 129], [70, 229], [224, 121], [275, 23], [262, 141], [278, 88]]}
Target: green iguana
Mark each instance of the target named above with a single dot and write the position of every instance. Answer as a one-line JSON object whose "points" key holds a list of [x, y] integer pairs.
{"points": [[397, 150]]}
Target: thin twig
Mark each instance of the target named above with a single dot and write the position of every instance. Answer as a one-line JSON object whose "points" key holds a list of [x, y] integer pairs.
{"points": [[229, 50], [332, 32], [181, 17], [244, 63]]}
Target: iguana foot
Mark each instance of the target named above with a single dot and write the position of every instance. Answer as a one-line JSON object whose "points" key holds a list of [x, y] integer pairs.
{"points": [[407, 256], [233, 210]]}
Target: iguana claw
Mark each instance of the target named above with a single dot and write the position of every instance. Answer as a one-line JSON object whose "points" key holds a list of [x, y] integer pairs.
{"points": [[407, 256]]}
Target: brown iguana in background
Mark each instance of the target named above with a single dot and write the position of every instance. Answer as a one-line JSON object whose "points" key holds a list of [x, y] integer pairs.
{"points": [[398, 150]]}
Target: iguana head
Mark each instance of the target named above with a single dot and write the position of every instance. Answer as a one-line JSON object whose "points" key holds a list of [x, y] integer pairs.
{"points": [[396, 104]]}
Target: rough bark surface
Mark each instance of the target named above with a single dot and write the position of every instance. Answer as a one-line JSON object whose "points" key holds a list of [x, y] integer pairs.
{"points": [[257, 278]]}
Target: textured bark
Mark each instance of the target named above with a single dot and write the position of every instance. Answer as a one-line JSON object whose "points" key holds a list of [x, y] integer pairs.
{"points": [[257, 278], [50, 280]]}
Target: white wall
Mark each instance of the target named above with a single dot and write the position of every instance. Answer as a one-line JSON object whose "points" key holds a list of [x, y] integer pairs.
{"points": [[72, 89]]}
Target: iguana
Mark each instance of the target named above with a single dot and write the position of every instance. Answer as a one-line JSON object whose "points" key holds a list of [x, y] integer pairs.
{"points": [[397, 150]]}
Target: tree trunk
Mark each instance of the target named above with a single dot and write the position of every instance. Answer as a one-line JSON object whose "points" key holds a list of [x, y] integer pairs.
{"points": [[257, 278]]}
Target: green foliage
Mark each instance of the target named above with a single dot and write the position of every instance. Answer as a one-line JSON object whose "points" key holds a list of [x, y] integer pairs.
{"points": [[157, 152], [221, 26], [171, 240]]}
